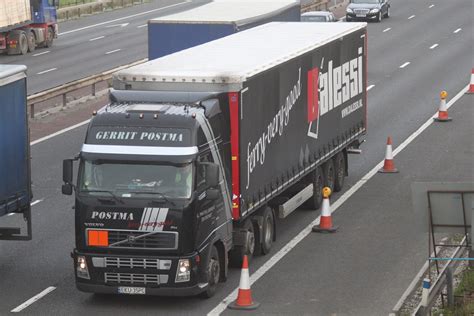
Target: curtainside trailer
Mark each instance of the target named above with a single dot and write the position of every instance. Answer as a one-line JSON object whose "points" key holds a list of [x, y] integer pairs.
{"points": [[199, 151], [15, 176], [175, 32]]}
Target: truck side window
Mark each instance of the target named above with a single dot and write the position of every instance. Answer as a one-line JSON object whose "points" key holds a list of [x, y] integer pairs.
{"points": [[200, 172]]}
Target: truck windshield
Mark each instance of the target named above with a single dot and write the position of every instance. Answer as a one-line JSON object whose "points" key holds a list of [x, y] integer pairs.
{"points": [[132, 180]]}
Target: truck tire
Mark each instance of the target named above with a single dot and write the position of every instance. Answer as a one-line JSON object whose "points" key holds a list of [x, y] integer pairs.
{"points": [[236, 255], [23, 43], [268, 231], [213, 271], [318, 183], [31, 41], [329, 174], [340, 168], [49, 40]]}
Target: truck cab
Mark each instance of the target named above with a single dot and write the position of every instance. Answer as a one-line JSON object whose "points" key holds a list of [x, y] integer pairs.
{"points": [[152, 194]]}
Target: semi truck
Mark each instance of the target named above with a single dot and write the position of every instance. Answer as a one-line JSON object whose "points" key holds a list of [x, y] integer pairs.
{"points": [[171, 33], [15, 175], [26, 25], [198, 153]]}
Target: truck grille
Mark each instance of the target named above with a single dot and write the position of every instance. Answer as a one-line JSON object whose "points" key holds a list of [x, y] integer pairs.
{"points": [[139, 263], [135, 278], [144, 240]]}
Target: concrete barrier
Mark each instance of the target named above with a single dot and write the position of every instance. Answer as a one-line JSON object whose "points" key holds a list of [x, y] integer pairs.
{"points": [[76, 11]]}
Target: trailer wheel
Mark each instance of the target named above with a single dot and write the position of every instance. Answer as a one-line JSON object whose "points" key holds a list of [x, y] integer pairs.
{"points": [[49, 40], [236, 255], [329, 174], [23, 43], [268, 231], [31, 41], [340, 168], [213, 271], [318, 183]]}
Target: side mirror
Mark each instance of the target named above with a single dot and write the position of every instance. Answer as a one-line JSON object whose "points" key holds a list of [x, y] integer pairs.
{"points": [[212, 194], [67, 171], [66, 189], [212, 175]]}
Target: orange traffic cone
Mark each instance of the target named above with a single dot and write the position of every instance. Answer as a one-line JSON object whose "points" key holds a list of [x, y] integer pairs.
{"points": [[443, 110], [325, 222], [388, 165], [244, 298], [471, 85]]}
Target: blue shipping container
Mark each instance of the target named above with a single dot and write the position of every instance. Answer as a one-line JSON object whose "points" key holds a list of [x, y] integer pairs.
{"points": [[15, 184], [175, 32]]}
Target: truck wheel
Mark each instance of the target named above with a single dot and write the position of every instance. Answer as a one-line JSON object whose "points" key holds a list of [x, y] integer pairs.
{"points": [[236, 255], [318, 183], [213, 271], [31, 41], [340, 168], [268, 231], [49, 40], [23, 43], [329, 174]]}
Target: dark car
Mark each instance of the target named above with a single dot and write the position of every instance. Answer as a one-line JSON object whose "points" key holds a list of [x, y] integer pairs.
{"points": [[318, 16], [369, 10]]}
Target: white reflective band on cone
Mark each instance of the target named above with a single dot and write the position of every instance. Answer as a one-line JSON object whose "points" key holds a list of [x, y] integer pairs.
{"points": [[388, 152], [244, 280], [325, 211]]}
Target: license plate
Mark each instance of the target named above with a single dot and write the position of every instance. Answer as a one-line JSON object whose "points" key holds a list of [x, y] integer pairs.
{"points": [[360, 15], [131, 290]]}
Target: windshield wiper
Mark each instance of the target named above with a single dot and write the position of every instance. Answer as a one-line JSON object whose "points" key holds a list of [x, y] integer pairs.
{"points": [[115, 197], [164, 196]]}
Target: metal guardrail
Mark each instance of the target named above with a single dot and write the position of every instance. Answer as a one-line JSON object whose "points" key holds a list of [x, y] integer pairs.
{"points": [[66, 88], [441, 281], [317, 6]]}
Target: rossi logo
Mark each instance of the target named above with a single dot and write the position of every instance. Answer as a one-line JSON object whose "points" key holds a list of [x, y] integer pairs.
{"points": [[329, 89]]}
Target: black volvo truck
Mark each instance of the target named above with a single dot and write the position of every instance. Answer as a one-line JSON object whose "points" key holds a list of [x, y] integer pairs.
{"points": [[198, 152]]}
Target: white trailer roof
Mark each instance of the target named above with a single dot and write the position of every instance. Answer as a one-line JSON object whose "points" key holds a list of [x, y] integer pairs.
{"points": [[10, 73], [229, 12], [234, 58]]}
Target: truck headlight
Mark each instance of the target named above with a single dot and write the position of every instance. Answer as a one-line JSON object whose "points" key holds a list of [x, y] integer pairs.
{"points": [[183, 272], [81, 270], [375, 10]]}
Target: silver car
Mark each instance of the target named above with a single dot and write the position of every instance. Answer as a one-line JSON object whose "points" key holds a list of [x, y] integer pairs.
{"points": [[318, 16]]}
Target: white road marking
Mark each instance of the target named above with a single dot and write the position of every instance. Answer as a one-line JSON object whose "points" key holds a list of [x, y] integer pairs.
{"points": [[387, 29], [46, 71], [411, 17], [370, 87], [42, 53], [122, 18], [433, 46], [305, 232], [405, 64], [36, 202], [120, 25], [96, 38], [457, 31], [140, 26], [33, 299], [40, 140], [113, 51], [431, 6]]}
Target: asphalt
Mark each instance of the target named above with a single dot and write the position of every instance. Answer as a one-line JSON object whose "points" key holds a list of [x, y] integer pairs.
{"points": [[361, 270]]}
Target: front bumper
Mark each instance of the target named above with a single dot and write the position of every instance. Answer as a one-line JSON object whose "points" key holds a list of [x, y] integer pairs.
{"points": [[157, 275], [367, 17]]}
